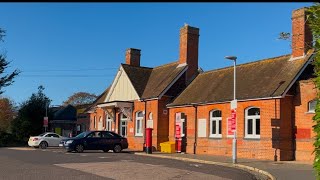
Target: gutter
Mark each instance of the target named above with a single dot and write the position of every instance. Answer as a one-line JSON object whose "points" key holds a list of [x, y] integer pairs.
{"points": [[196, 129], [221, 102]]}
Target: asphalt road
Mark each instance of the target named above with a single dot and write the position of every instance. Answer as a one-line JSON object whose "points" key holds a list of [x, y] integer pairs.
{"points": [[53, 163]]}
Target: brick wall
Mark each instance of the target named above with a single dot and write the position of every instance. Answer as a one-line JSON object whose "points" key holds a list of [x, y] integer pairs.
{"points": [[306, 92], [262, 148]]}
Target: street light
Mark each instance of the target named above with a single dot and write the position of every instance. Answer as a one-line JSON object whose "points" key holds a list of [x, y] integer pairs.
{"points": [[234, 107]]}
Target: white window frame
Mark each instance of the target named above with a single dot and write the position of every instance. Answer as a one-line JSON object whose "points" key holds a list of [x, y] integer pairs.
{"points": [[183, 121], [139, 120], [125, 120], [108, 123], [217, 120], [309, 104], [254, 120]]}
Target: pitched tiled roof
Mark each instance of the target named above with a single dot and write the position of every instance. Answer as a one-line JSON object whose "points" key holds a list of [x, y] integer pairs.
{"points": [[261, 79], [151, 82], [66, 113], [138, 76]]}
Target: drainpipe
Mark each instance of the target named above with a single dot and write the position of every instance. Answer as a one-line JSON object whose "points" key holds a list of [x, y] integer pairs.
{"points": [[145, 123], [196, 129]]}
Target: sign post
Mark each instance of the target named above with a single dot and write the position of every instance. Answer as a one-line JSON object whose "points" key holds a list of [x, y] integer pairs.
{"points": [[178, 132], [233, 127], [45, 123]]}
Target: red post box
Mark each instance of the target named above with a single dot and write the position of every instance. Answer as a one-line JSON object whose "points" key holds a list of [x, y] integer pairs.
{"points": [[149, 140]]}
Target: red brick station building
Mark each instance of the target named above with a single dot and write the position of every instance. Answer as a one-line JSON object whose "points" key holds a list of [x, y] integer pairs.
{"points": [[276, 100]]}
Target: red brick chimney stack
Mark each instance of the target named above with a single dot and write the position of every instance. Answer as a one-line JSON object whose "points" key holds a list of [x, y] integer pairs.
{"points": [[301, 33], [133, 57], [189, 45]]}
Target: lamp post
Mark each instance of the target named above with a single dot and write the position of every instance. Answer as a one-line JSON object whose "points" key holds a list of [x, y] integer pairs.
{"points": [[233, 109]]}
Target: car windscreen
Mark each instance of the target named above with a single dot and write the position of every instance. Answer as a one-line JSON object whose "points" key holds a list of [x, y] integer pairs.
{"points": [[115, 135], [81, 135], [42, 134]]}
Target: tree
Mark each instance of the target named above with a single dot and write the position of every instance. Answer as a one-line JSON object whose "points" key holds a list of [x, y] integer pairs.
{"points": [[29, 121], [314, 23], [5, 79], [80, 98], [7, 114]]}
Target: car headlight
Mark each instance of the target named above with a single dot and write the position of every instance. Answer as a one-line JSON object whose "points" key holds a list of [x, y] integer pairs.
{"points": [[69, 141]]}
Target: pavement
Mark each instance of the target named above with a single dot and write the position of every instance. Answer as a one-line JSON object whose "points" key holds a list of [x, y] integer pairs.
{"points": [[280, 170]]}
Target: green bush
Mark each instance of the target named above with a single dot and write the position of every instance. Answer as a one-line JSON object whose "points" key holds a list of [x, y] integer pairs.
{"points": [[9, 140]]}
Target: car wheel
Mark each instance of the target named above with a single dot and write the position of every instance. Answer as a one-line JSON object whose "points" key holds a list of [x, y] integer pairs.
{"points": [[43, 145], [117, 148], [105, 150], [79, 148]]}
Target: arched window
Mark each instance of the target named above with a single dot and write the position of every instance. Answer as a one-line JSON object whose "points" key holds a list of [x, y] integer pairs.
{"points": [[139, 118], [123, 125], [108, 122], [215, 123], [312, 106], [252, 122]]}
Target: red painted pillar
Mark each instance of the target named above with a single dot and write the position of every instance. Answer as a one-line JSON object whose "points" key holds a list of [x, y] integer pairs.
{"points": [[178, 138], [149, 140]]}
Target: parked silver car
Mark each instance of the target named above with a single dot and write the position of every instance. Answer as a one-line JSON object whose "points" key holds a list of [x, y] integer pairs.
{"points": [[44, 140]]}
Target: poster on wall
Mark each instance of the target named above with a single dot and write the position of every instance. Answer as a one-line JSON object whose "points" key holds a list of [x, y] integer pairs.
{"points": [[149, 123], [178, 125]]}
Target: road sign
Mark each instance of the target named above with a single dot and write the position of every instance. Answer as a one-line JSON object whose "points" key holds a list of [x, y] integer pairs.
{"points": [[45, 121], [234, 118], [232, 122], [234, 104]]}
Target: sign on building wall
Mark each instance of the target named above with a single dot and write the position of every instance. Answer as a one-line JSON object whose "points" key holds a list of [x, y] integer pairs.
{"points": [[202, 127], [232, 123], [150, 123], [178, 125]]}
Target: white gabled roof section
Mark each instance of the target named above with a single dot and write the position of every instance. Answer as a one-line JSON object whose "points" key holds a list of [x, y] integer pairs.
{"points": [[121, 88]]}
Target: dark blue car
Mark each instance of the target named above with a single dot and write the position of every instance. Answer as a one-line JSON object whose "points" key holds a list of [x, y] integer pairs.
{"points": [[95, 140]]}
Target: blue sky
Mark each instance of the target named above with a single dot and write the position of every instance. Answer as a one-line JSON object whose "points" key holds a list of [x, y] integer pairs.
{"points": [[72, 47]]}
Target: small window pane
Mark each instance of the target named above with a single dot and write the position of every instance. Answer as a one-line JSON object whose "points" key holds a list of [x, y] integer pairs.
{"points": [[139, 114], [138, 126], [214, 126], [124, 116], [220, 127], [254, 111], [312, 106], [123, 131], [257, 126], [216, 114], [249, 126]]}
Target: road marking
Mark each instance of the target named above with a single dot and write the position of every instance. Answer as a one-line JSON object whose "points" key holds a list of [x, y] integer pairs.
{"points": [[195, 165], [23, 149], [153, 165], [103, 157], [124, 170], [83, 155]]}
